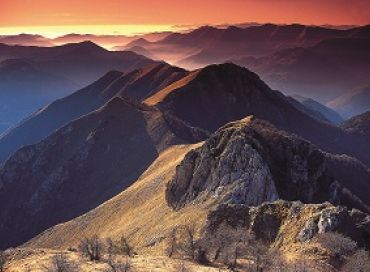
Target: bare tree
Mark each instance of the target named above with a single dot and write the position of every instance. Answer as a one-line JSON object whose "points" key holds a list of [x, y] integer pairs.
{"points": [[190, 245], [121, 247], [277, 261], [92, 248], [3, 260], [172, 243], [336, 243], [359, 262], [261, 256], [119, 266], [60, 263], [181, 267]]}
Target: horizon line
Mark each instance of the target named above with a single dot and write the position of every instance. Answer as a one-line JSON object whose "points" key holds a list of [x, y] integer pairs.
{"points": [[130, 30]]}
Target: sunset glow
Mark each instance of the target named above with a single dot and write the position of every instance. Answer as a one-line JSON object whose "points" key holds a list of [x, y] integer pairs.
{"points": [[56, 31], [53, 18]]}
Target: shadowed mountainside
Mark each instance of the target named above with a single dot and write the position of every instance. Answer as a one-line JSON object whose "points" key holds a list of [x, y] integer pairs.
{"points": [[82, 165], [137, 84], [319, 110], [210, 97], [359, 125], [142, 213], [31, 77]]}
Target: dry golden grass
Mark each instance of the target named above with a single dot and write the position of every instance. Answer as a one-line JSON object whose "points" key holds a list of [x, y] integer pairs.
{"points": [[140, 213], [159, 96], [36, 260]]}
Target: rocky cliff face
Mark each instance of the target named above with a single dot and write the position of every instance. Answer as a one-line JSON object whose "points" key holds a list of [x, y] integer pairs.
{"points": [[282, 223], [250, 162]]}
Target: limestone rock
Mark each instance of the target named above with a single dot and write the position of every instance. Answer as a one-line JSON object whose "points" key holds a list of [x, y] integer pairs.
{"points": [[250, 162]]}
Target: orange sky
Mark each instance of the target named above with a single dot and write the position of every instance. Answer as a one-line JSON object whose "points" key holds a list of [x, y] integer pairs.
{"points": [[26, 13]]}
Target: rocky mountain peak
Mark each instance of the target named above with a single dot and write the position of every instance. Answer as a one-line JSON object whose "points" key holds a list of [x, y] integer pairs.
{"points": [[250, 162]]}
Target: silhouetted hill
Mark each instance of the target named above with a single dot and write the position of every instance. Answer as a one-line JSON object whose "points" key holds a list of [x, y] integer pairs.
{"points": [[234, 42], [32, 77], [323, 72], [352, 102], [80, 62], [138, 84], [26, 40], [25, 87], [327, 113]]}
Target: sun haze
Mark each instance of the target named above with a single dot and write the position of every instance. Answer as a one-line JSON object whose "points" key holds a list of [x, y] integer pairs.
{"points": [[51, 17]]}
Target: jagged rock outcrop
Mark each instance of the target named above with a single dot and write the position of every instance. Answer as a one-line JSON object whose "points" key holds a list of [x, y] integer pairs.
{"points": [[282, 223], [250, 162]]}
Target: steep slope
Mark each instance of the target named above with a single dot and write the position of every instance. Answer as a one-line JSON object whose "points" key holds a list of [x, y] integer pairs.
{"points": [[323, 71], [137, 84], [353, 102], [209, 98], [82, 165], [143, 215], [250, 162], [329, 114], [359, 125], [140, 213], [290, 226]]}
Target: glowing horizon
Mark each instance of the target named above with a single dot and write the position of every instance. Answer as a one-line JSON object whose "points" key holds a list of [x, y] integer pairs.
{"points": [[55, 18], [58, 30]]}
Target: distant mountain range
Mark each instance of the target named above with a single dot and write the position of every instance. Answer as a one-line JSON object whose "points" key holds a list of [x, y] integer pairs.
{"points": [[323, 71], [107, 41], [352, 102], [207, 45], [31, 77], [317, 62], [138, 84], [318, 110]]}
